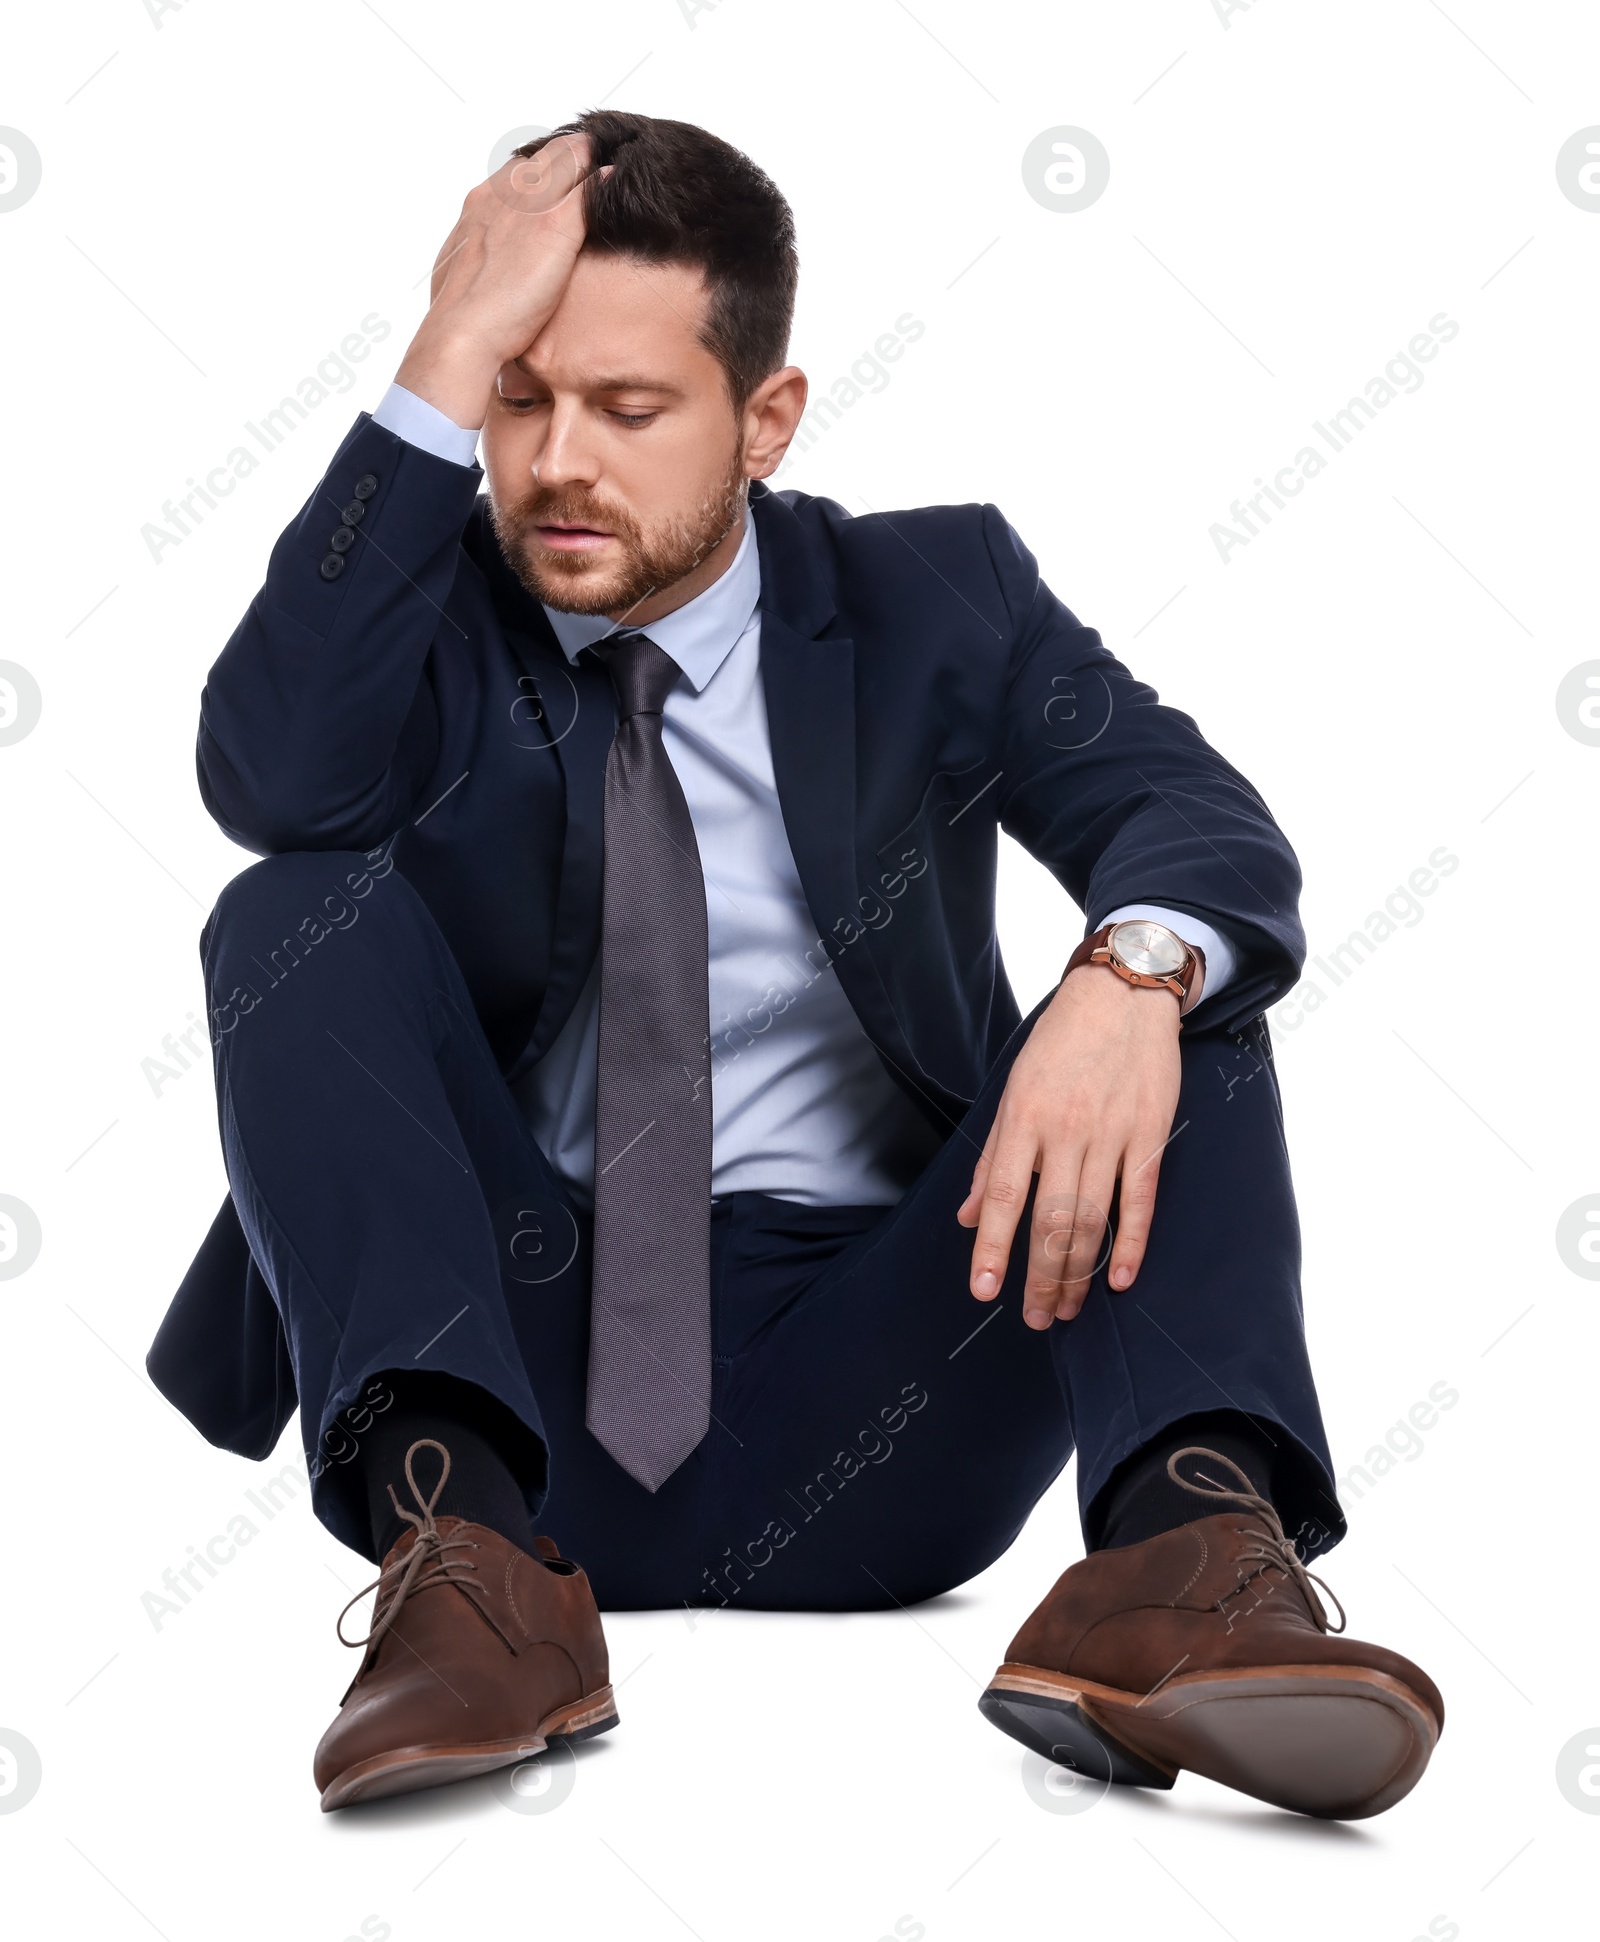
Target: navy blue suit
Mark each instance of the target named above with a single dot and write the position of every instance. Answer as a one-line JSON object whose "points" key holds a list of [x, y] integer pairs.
{"points": [[408, 747]]}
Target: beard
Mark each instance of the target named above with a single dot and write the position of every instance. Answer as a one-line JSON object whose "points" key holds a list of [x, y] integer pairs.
{"points": [[577, 583]]}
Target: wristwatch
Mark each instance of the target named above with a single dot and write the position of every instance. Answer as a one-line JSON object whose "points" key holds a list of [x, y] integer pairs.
{"points": [[1146, 953]]}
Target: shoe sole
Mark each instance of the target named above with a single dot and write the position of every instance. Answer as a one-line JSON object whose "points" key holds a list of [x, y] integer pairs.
{"points": [[409, 1769], [1333, 1742]]}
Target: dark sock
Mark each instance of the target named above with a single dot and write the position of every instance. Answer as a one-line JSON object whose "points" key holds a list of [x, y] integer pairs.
{"points": [[1141, 1500], [480, 1487]]}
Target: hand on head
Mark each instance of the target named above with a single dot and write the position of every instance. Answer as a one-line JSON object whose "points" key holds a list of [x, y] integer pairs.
{"points": [[499, 276]]}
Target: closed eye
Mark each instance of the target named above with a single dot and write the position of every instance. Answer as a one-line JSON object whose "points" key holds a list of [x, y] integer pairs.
{"points": [[633, 420]]}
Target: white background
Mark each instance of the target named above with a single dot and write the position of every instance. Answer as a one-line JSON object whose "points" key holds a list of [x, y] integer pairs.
{"points": [[228, 190]]}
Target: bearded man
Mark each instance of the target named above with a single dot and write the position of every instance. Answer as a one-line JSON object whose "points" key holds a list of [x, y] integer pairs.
{"points": [[628, 1121]]}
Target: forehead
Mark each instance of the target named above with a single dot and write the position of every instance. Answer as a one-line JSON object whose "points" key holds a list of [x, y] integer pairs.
{"points": [[620, 315]]}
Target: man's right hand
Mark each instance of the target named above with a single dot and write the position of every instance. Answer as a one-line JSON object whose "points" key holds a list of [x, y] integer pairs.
{"points": [[498, 278]]}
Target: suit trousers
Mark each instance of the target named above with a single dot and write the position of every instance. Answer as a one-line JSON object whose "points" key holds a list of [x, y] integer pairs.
{"points": [[877, 1435]]}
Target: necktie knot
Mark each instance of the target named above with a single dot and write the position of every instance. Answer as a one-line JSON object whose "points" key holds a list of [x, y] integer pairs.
{"points": [[641, 673]]}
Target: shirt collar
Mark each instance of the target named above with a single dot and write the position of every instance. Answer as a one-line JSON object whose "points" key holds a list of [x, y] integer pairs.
{"points": [[701, 634]]}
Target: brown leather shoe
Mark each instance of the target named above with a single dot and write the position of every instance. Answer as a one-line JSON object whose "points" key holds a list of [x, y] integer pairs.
{"points": [[1208, 1648], [479, 1656]]}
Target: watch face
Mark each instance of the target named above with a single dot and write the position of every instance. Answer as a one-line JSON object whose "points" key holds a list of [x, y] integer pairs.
{"points": [[1148, 948]]}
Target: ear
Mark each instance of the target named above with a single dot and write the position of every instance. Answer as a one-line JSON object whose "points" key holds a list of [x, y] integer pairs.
{"points": [[771, 415]]}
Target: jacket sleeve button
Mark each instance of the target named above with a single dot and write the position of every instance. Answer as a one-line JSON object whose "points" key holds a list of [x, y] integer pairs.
{"points": [[354, 513], [332, 566], [366, 485], [343, 539]]}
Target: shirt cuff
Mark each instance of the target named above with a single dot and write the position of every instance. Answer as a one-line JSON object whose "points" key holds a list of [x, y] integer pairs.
{"points": [[421, 424], [1221, 958]]}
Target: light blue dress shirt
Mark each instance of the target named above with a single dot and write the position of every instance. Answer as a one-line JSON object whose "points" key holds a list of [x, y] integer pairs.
{"points": [[802, 1107]]}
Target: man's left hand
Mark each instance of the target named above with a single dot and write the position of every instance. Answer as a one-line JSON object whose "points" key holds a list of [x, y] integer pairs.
{"points": [[1090, 1100]]}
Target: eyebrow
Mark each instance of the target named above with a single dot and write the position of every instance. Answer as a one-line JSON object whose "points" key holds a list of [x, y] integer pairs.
{"points": [[625, 382]]}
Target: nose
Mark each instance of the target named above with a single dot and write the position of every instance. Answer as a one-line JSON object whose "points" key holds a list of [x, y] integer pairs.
{"points": [[567, 457]]}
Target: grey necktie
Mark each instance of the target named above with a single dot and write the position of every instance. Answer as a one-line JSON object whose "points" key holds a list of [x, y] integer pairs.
{"points": [[649, 1395]]}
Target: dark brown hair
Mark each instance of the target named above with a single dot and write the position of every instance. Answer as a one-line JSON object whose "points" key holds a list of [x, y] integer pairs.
{"points": [[680, 195]]}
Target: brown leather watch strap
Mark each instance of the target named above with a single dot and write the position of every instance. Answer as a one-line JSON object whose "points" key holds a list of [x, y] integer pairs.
{"points": [[1186, 985]]}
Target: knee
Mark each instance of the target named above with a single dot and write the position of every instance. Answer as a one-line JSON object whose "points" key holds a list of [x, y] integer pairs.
{"points": [[284, 890], [286, 905]]}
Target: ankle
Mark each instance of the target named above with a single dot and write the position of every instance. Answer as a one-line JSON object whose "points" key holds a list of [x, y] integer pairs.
{"points": [[480, 1485], [1140, 1500]]}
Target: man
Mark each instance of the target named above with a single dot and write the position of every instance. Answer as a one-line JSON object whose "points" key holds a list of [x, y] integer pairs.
{"points": [[627, 1118]]}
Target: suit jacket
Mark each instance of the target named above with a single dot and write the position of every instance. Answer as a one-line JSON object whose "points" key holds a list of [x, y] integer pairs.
{"points": [[924, 690]]}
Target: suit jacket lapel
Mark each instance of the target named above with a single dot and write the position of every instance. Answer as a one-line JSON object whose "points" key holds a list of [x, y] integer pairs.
{"points": [[582, 752], [570, 709], [809, 682], [811, 720]]}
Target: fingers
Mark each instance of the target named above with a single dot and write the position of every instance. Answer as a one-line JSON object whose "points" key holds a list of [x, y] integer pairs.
{"points": [[1009, 1176], [549, 176], [532, 185], [967, 1212], [1068, 1240], [1092, 1241], [1141, 1166], [569, 168], [1054, 1244]]}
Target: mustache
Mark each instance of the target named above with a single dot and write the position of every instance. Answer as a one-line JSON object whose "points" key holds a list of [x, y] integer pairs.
{"points": [[570, 506]]}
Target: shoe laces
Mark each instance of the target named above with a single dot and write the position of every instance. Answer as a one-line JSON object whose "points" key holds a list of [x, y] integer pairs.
{"points": [[432, 1560], [1271, 1546]]}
